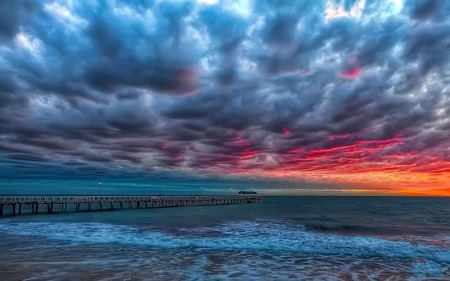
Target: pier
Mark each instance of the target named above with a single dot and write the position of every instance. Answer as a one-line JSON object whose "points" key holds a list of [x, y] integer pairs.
{"points": [[19, 205]]}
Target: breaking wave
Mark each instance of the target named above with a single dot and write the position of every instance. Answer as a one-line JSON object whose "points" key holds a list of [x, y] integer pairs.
{"points": [[256, 236]]}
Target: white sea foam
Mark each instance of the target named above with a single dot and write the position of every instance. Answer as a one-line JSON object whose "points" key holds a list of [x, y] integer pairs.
{"points": [[443, 256], [428, 268], [268, 236], [258, 250]]}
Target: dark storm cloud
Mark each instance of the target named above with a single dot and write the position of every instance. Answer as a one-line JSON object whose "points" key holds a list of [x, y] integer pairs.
{"points": [[12, 15], [155, 85]]}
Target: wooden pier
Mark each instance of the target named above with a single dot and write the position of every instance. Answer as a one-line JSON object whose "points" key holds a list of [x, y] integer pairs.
{"points": [[19, 205]]}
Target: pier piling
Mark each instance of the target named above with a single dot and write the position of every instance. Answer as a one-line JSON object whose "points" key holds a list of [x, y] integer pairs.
{"points": [[97, 203]]}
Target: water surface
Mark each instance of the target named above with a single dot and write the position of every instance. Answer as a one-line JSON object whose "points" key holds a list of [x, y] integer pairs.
{"points": [[299, 238]]}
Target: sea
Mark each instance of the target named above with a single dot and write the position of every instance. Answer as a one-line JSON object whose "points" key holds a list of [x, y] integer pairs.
{"points": [[282, 238]]}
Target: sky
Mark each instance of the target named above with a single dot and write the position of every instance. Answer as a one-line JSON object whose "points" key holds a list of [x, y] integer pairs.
{"points": [[350, 96]]}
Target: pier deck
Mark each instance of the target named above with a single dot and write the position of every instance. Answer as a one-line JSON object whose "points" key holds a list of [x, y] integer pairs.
{"points": [[19, 205]]}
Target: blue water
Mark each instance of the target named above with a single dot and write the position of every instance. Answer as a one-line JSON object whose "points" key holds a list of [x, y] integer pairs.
{"points": [[283, 238]]}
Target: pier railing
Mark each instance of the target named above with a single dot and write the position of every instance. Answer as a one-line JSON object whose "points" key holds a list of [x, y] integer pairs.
{"points": [[50, 204]]}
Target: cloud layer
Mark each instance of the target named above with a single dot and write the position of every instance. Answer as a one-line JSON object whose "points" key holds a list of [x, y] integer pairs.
{"points": [[340, 91]]}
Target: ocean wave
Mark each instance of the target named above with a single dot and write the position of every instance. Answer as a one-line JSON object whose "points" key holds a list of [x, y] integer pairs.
{"points": [[257, 236]]}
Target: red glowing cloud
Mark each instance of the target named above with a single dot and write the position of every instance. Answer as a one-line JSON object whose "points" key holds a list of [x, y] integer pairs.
{"points": [[352, 70], [351, 74], [372, 164]]}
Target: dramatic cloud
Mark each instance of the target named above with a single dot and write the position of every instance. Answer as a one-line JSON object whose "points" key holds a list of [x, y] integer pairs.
{"points": [[353, 91]]}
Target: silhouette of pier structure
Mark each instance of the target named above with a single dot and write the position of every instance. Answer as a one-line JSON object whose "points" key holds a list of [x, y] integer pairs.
{"points": [[19, 205]]}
